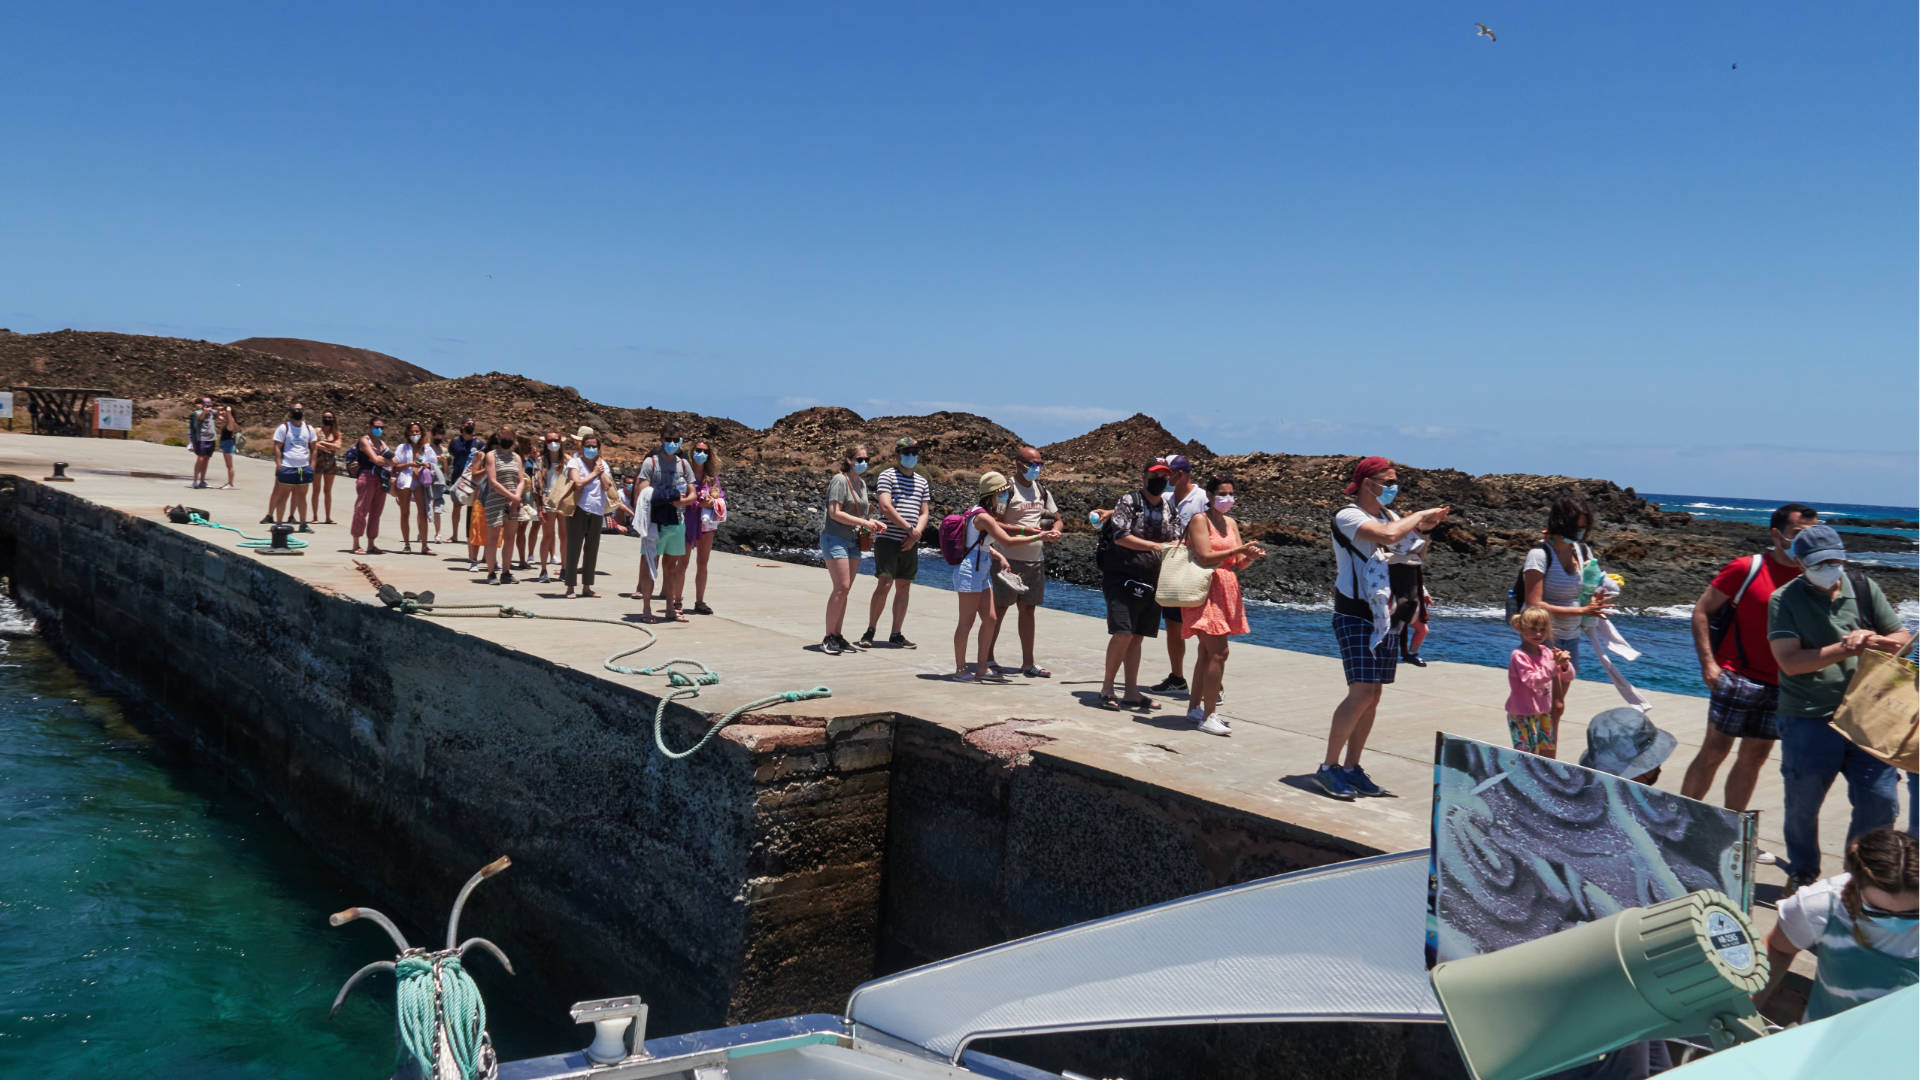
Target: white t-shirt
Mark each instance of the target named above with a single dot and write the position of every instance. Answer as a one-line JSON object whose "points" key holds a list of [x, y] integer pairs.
{"points": [[593, 497], [1804, 916], [1560, 588], [296, 441], [1184, 509], [1348, 521], [403, 477]]}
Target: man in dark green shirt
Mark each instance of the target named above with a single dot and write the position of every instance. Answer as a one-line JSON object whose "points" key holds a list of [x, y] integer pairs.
{"points": [[1818, 624]]}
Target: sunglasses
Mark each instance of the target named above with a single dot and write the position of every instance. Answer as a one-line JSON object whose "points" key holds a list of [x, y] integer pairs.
{"points": [[860, 461]]}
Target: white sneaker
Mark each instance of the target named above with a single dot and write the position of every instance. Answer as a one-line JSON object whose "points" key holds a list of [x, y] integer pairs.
{"points": [[1212, 725], [1766, 858]]}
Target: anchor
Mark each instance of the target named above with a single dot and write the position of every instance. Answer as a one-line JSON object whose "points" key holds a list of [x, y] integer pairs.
{"points": [[442, 1021]]}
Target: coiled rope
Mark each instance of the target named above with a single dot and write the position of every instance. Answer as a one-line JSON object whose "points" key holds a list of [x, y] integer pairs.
{"points": [[245, 540], [685, 685], [435, 987]]}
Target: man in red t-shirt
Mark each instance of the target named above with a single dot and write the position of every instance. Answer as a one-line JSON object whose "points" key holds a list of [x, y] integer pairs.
{"points": [[1742, 673]]}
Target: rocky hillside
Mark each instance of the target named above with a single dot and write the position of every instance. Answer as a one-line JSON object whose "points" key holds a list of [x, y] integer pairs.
{"points": [[345, 359], [776, 476], [1119, 449]]}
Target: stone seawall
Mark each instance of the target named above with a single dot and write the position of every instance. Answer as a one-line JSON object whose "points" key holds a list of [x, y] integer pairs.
{"points": [[740, 883]]}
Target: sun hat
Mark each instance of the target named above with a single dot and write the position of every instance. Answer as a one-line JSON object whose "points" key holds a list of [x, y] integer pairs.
{"points": [[1622, 741], [582, 433], [1817, 544], [992, 483], [1365, 467]]}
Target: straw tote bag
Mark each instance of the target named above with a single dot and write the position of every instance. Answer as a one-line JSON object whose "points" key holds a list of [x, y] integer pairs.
{"points": [[1881, 712], [1183, 582]]}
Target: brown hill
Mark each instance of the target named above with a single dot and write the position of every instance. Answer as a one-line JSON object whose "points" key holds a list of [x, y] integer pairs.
{"points": [[345, 359], [1119, 449], [949, 441]]}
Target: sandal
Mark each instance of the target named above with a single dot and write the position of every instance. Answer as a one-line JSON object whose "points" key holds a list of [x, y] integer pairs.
{"points": [[588, 594], [1108, 701], [568, 596], [1037, 672], [700, 608], [964, 676], [1143, 703]]}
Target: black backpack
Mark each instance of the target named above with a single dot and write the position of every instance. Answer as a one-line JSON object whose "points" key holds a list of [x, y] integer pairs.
{"points": [[1517, 595], [1722, 621]]}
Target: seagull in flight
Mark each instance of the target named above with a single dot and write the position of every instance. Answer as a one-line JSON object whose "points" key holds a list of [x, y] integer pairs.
{"points": [[1484, 32]]}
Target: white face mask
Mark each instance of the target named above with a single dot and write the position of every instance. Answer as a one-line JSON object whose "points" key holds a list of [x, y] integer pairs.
{"points": [[553, 448], [1825, 575]]}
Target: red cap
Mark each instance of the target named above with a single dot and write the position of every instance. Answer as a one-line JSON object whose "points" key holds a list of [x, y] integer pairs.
{"points": [[1365, 467], [1159, 466]]}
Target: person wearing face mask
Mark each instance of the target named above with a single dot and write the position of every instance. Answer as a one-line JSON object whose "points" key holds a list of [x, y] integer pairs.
{"points": [[905, 498], [203, 433], [552, 469], [1133, 538], [1862, 923], [1365, 535], [593, 486], [292, 469], [1188, 500], [505, 497], [704, 518], [1552, 575], [375, 461], [1817, 626], [1740, 672], [1027, 509], [1214, 539], [671, 478], [460, 452], [413, 462], [847, 509], [326, 464]]}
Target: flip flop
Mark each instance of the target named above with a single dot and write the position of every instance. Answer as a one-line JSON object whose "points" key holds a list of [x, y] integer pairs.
{"points": [[963, 676]]}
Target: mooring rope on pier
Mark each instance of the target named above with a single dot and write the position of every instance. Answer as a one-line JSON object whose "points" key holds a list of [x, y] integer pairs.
{"points": [[684, 685], [293, 542]]}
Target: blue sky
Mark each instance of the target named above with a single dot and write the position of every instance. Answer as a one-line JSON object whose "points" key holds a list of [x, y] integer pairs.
{"points": [[1591, 248]]}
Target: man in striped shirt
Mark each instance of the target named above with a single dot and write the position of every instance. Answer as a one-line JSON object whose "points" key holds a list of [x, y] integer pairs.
{"points": [[904, 497]]}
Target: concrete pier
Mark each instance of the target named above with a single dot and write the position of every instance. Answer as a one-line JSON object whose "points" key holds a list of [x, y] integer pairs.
{"points": [[903, 818]]}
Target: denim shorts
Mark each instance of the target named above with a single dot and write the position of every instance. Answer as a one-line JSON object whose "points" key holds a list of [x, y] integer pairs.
{"points": [[226, 446], [839, 547]]}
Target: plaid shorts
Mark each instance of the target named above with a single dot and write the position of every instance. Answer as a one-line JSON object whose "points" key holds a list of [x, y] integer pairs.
{"points": [[1363, 663], [1743, 708]]}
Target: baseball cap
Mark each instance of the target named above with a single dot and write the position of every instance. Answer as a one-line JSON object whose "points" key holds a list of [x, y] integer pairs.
{"points": [[906, 443], [1179, 463], [1158, 465], [1817, 544]]}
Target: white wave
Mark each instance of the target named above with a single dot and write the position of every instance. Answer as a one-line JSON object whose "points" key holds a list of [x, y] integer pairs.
{"points": [[1909, 612], [1470, 611], [1902, 560], [1292, 605], [1719, 506], [13, 621]]}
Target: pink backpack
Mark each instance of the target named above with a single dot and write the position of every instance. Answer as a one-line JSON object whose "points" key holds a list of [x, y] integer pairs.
{"points": [[953, 536]]}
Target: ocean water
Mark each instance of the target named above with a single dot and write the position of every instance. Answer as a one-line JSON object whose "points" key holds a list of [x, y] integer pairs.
{"points": [[156, 923], [1760, 512]]}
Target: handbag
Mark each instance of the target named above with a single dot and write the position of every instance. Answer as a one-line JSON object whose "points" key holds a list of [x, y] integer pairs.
{"points": [[562, 497], [463, 489], [1881, 712], [1183, 583]]}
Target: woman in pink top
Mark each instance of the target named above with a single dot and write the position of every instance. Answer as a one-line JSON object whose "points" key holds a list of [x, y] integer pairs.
{"points": [[1539, 678]]}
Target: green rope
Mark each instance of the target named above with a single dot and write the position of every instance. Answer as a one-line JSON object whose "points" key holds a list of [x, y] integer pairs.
{"points": [[435, 987], [685, 685], [245, 540]]}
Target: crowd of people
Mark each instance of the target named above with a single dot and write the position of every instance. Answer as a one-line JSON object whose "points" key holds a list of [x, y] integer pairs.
{"points": [[1779, 633]]}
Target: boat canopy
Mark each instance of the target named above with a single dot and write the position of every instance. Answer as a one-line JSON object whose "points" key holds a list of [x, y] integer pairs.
{"points": [[1343, 942], [1875, 1039]]}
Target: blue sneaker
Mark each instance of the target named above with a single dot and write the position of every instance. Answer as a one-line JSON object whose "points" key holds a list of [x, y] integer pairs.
{"points": [[1333, 780], [1361, 783]]}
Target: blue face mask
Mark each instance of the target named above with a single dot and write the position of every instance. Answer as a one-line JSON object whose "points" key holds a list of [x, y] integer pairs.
{"points": [[379, 431], [859, 467], [1578, 534], [1389, 493], [1033, 473], [671, 447], [908, 461], [590, 453], [699, 458]]}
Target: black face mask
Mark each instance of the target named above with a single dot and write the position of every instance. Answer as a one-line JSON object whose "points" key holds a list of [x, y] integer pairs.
{"points": [[468, 430], [1156, 485], [296, 414]]}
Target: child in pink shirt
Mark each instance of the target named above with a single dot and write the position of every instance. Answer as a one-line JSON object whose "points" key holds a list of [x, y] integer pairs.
{"points": [[1538, 676]]}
